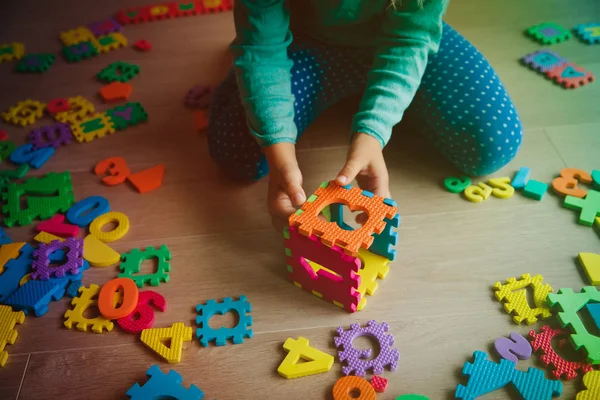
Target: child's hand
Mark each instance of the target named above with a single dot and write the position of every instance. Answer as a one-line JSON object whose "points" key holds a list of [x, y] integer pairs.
{"points": [[285, 183], [365, 163]]}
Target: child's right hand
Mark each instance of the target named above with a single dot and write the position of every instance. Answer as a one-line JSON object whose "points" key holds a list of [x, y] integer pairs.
{"points": [[285, 183]]}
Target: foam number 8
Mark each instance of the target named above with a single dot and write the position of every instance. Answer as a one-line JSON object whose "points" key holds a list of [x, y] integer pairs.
{"points": [[478, 193], [566, 183], [457, 185], [117, 169], [106, 298], [143, 316], [502, 188]]}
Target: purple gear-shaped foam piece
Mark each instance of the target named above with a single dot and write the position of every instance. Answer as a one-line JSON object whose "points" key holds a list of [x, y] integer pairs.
{"points": [[355, 359], [55, 135], [198, 97], [41, 265], [543, 60]]}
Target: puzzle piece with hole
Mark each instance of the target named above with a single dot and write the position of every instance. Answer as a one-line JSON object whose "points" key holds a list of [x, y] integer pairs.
{"points": [[177, 334], [570, 75], [315, 361], [163, 386], [8, 333], [513, 294]]}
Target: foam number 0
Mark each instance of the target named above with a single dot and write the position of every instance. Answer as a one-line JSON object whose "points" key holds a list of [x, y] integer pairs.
{"points": [[566, 183], [457, 185], [26, 154], [478, 193], [117, 169], [120, 230], [106, 303], [502, 188], [353, 387]]}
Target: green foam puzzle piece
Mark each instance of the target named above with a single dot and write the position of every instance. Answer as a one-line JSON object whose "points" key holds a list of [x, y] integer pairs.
{"points": [[132, 262], [589, 206], [36, 63], [127, 115], [118, 71], [80, 51]]}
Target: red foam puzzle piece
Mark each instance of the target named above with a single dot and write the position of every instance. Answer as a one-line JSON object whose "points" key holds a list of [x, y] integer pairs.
{"points": [[148, 179], [570, 75], [379, 383], [143, 316], [56, 226], [58, 105], [142, 45], [3, 135], [116, 91]]}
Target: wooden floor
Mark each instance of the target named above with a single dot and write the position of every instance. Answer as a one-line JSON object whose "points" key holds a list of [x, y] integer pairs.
{"points": [[437, 297]]}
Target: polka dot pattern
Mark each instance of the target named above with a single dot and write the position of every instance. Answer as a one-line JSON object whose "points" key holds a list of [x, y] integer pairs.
{"points": [[461, 103]]}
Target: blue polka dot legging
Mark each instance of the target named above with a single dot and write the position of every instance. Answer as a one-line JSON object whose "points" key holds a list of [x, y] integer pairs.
{"points": [[461, 104]]}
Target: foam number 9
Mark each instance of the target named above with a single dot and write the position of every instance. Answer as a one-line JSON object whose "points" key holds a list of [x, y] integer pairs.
{"points": [[478, 193], [566, 183], [502, 188], [117, 169], [457, 185], [143, 316], [106, 298]]}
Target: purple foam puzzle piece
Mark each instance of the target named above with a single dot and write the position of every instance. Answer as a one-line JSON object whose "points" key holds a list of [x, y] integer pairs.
{"points": [[355, 359], [513, 349], [54, 135], [198, 97], [126, 115], [41, 265], [101, 28], [543, 60]]}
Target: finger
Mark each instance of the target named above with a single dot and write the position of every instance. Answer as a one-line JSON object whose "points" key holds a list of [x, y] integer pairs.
{"points": [[361, 218], [280, 205], [292, 184], [351, 169], [376, 180]]}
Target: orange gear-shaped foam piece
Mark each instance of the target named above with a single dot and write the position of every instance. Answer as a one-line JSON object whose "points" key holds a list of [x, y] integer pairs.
{"points": [[376, 207]]}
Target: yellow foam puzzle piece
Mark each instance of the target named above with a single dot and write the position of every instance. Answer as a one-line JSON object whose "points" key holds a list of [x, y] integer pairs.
{"points": [[24, 279], [516, 300], [16, 53], [590, 263], [25, 112], [109, 42], [92, 127], [88, 297], [79, 109], [8, 333], [478, 193], [45, 237], [502, 188], [98, 253], [178, 333], [316, 361], [76, 35], [121, 230], [8, 251], [591, 380]]}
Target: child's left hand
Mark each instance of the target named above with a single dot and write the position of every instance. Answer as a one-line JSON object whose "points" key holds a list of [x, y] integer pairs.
{"points": [[365, 162]]}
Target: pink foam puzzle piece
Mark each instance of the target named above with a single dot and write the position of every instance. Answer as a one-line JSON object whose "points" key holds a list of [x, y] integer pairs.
{"points": [[143, 316], [56, 226]]}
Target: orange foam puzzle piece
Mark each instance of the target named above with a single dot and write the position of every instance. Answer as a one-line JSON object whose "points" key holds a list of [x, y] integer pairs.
{"points": [[116, 91], [376, 207], [353, 387], [201, 120], [148, 179], [8, 251], [129, 298]]}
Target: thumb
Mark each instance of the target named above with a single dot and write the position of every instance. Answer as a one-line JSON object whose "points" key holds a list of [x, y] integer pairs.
{"points": [[353, 166], [291, 182]]}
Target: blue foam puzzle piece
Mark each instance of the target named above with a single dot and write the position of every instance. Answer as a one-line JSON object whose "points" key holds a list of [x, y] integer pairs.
{"points": [[596, 179], [571, 72], [367, 194], [26, 154], [35, 295], [85, 211], [4, 239], [384, 243], [390, 202], [14, 270], [337, 216], [594, 310], [220, 335], [485, 376], [73, 289], [162, 386], [533, 385], [521, 178]]}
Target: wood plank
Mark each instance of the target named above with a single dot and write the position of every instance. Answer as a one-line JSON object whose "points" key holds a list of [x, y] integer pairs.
{"points": [[11, 375]]}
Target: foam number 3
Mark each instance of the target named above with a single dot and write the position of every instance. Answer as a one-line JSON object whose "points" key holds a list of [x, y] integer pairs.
{"points": [[566, 183], [502, 188], [457, 185], [117, 169], [26, 154], [478, 193]]}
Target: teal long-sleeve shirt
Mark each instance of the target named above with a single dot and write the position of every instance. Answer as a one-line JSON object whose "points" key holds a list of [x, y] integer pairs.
{"points": [[402, 33]]}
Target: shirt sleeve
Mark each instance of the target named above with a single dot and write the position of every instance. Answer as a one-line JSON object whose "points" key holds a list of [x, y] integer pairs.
{"points": [[409, 34], [262, 69]]}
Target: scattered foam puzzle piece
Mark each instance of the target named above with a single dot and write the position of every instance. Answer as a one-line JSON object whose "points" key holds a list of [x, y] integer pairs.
{"points": [[24, 113], [513, 294], [134, 15], [412, 397], [8, 333], [308, 222], [535, 189], [384, 242], [79, 109], [521, 178], [8, 251], [98, 253], [148, 179], [457, 185], [3, 135], [590, 263], [132, 262], [55, 135], [9, 175], [57, 226], [178, 333], [14, 270], [534, 385], [122, 288], [205, 333], [543, 341], [514, 349], [42, 267], [161, 386], [548, 33], [6, 149], [104, 27], [45, 237], [198, 97], [35, 295], [589, 206], [315, 361], [118, 218], [543, 60], [589, 33], [111, 41], [591, 381], [143, 316], [116, 91], [379, 383], [4, 238], [116, 169], [27, 154], [11, 51], [570, 75], [57, 105], [35, 63], [87, 298], [594, 311], [596, 179], [478, 193], [353, 387], [501, 187], [142, 45], [76, 35], [357, 361], [80, 51], [118, 71], [85, 211], [93, 127], [128, 115], [201, 120]]}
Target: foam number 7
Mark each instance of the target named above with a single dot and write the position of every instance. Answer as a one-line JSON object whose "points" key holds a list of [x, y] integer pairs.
{"points": [[26, 154], [502, 188], [117, 169], [566, 183], [478, 193]]}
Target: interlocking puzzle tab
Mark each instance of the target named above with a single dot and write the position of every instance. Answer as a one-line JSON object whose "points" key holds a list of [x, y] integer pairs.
{"points": [[25, 112], [589, 206], [543, 61], [205, 333], [11, 51], [589, 33], [570, 304], [93, 127], [8, 333], [87, 298], [172, 9], [323, 256], [515, 299], [163, 386], [570, 75], [548, 33], [132, 262], [591, 380]]}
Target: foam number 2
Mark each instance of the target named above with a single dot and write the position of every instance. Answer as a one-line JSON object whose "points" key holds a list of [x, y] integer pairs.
{"points": [[502, 188], [478, 193], [117, 169], [26, 154], [566, 183]]}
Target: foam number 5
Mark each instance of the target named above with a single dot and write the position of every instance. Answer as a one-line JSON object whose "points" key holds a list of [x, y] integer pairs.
{"points": [[566, 183], [26, 154], [117, 169], [502, 188], [478, 193], [457, 185]]}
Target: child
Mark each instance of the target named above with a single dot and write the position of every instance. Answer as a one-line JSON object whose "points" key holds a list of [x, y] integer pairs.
{"points": [[295, 58]]}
